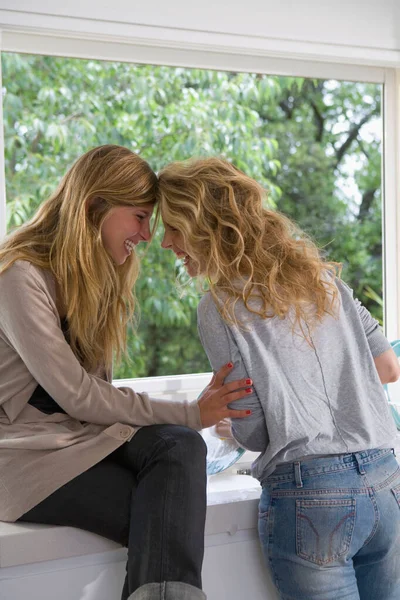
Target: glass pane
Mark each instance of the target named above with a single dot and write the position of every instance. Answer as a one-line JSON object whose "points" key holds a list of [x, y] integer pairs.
{"points": [[315, 144]]}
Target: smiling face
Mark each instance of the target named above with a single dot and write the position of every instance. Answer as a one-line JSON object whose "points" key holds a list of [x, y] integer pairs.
{"points": [[123, 228], [173, 240]]}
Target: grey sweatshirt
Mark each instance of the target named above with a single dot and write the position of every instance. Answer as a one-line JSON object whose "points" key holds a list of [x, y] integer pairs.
{"points": [[319, 399]]}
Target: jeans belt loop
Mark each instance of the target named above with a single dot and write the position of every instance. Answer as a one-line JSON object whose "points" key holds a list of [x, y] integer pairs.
{"points": [[297, 475], [360, 466]]}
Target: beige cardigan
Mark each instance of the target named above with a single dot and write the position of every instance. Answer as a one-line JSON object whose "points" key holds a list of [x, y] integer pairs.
{"points": [[39, 453]]}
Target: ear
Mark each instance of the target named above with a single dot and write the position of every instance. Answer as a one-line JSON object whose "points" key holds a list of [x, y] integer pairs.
{"points": [[91, 203], [94, 205]]}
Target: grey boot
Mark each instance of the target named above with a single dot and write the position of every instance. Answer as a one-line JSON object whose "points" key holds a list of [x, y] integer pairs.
{"points": [[168, 590]]}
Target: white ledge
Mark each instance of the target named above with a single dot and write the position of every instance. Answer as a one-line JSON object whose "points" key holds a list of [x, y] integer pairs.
{"points": [[232, 509]]}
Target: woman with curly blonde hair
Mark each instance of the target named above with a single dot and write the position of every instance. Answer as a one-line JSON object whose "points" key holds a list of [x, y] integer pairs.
{"points": [[329, 519], [74, 449]]}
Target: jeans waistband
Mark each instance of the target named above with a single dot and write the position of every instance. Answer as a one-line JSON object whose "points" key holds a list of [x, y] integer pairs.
{"points": [[310, 466]]}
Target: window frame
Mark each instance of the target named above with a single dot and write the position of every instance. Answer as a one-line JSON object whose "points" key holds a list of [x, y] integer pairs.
{"points": [[204, 55]]}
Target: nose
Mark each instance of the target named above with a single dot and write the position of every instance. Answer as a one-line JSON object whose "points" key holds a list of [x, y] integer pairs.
{"points": [[145, 231], [166, 241]]}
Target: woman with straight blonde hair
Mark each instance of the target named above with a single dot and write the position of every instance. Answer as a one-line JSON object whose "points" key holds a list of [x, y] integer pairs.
{"points": [[74, 449], [329, 518]]}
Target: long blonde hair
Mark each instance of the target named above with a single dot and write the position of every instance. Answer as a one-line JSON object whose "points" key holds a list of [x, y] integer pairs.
{"points": [[245, 251], [64, 237]]}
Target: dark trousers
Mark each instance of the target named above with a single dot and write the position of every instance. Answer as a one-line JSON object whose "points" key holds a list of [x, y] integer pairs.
{"points": [[148, 495]]}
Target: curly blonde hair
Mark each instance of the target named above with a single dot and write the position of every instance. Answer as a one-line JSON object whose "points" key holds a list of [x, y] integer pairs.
{"points": [[64, 236], [244, 250]]}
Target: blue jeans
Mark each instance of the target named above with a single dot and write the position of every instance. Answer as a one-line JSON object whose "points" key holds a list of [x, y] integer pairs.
{"points": [[330, 527]]}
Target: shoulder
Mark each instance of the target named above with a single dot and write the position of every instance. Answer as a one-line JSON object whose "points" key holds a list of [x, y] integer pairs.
{"points": [[23, 275], [207, 308], [346, 295], [20, 268], [209, 319], [343, 287]]}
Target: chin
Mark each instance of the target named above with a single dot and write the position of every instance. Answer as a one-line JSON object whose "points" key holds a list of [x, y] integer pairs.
{"points": [[119, 260], [192, 272]]}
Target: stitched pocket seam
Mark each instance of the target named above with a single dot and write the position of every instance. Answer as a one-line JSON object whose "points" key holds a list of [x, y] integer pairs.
{"points": [[347, 520]]}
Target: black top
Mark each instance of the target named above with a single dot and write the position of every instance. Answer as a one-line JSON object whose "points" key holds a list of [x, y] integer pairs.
{"points": [[40, 399]]}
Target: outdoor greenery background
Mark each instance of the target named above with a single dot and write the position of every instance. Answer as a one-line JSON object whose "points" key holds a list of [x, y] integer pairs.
{"points": [[314, 144]]}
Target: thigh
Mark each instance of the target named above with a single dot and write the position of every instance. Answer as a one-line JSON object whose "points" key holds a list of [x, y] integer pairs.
{"points": [[151, 443], [306, 546], [377, 564], [98, 500]]}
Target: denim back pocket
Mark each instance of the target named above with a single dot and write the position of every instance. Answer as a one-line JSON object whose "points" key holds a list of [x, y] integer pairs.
{"points": [[396, 493], [324, 529]]}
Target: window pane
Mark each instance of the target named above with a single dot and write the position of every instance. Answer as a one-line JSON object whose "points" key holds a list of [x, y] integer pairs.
{"points": [[315, 144]]}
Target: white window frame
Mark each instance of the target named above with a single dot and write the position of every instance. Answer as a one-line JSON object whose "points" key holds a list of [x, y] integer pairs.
{"points": [[35, 40]]}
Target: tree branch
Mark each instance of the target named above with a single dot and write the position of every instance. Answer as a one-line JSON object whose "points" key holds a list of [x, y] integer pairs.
{"points": [[353, 133], [287, 109], [366, 203], [319, 121], [362, 148]]}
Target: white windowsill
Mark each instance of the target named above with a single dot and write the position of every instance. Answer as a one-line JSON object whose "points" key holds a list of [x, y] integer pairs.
{"points": [[170, 387], [232, 511]]}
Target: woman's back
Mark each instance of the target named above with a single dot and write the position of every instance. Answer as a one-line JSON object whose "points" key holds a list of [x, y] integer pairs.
{"points": [[310, 399]]}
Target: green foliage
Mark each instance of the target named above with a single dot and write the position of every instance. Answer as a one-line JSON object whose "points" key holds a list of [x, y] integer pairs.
{"points": [[302, 139]]}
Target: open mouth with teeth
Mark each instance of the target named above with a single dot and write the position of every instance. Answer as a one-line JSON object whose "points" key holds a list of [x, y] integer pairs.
{"points": [[184, 257], [129, 245], [189, 263]]}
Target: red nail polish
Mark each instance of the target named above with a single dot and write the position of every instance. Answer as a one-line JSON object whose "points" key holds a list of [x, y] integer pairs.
{"points": [[248, 382], [248, 391], [248, 412], [229, 365]]}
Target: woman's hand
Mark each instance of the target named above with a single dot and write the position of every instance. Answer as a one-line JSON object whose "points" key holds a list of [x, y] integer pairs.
{"points": [[217, 395]]}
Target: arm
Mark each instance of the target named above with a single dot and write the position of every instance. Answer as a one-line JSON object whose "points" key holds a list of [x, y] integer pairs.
{"points": [[386, 361], [387, 365], [30, 325], [220, 347]]}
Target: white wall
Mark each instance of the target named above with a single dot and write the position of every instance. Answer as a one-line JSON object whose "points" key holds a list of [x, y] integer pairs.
{"points": [[358, 31]]}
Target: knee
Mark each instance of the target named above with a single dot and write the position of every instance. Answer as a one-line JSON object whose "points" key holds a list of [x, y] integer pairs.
{"points": [[187, 439], [183, 445], [186, 445]]}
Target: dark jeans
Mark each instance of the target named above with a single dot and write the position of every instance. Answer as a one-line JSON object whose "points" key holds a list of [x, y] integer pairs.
{"points": [[148, 495]]}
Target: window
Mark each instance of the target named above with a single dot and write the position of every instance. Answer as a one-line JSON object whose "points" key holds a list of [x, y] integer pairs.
{"points": [[314, 143]]}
